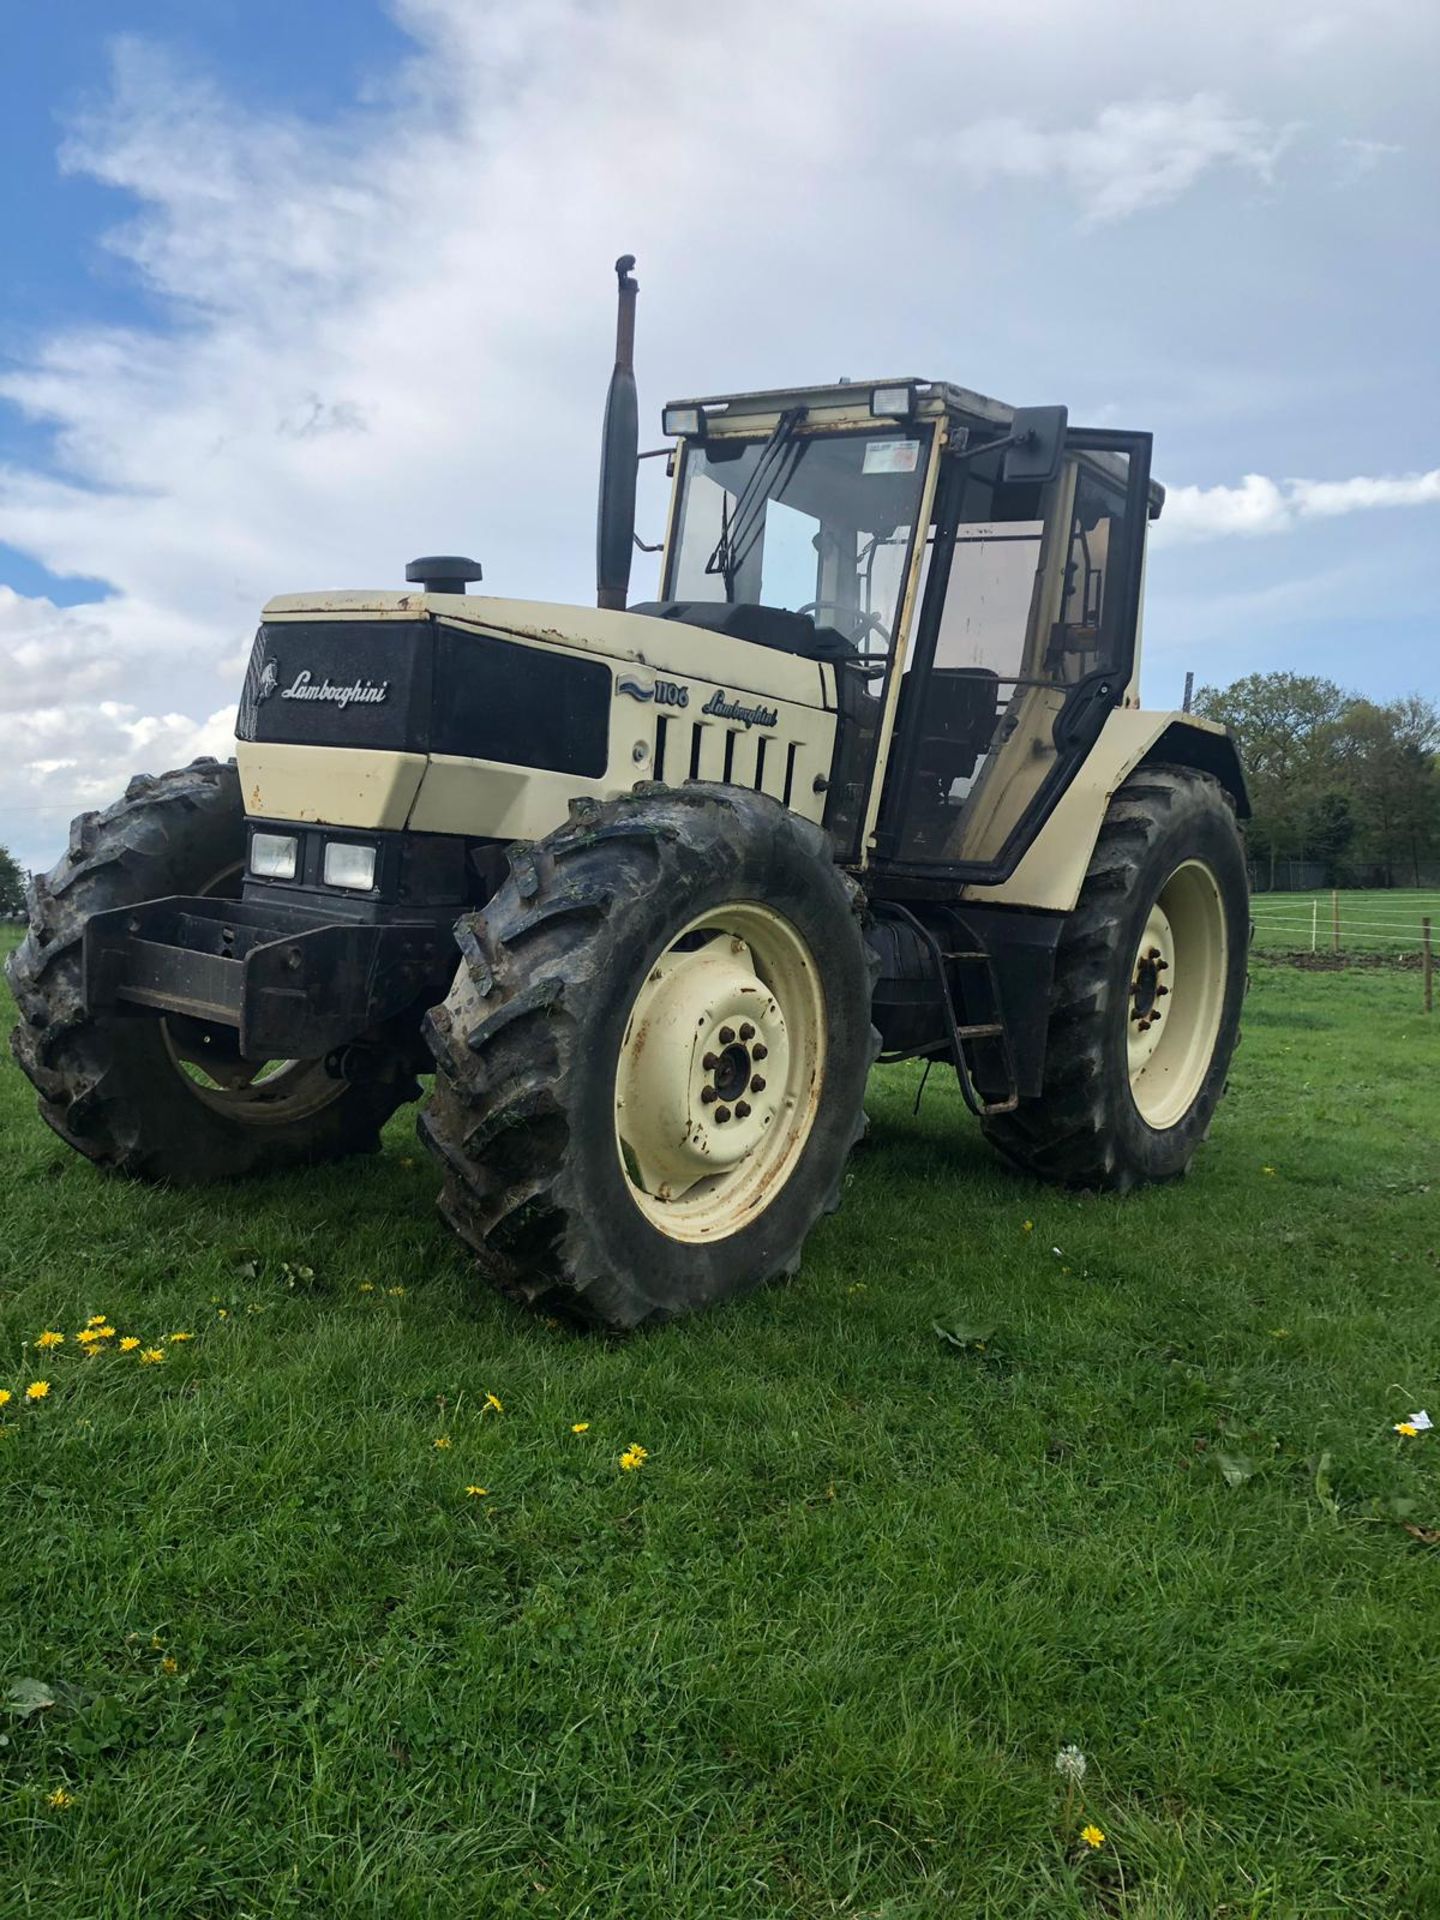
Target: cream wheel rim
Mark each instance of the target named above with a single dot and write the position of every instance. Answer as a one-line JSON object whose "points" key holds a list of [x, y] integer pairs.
{"points": [[1176, 999], [720, 1071]]}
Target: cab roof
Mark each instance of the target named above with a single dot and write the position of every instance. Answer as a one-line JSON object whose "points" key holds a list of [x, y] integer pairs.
{"points": [[847, 399]]}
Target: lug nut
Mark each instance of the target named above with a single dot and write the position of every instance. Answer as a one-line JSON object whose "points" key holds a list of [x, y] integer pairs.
{"points": [[708, 1096], [727, 1036], [1161, 965], [747, 1032], [722, 1114], [759, 1052], [742, 1110], [1160, 990], [757, 1085], [710, 1062]]}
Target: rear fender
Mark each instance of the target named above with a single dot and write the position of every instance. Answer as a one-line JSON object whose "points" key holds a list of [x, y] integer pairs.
{"points": [[1053, 868]]}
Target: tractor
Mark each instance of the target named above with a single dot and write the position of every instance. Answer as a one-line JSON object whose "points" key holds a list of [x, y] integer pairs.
{"points": [[649, 888]]}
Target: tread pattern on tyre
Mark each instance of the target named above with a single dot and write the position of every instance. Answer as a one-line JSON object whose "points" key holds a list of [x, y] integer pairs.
{"points": [[98, 1077], [1069, 1134], [535, 964]]}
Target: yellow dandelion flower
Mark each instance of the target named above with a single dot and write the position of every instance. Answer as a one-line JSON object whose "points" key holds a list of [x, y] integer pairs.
{"points": [[477, 1493], [87, 1336], [581, 1426], [634, 1456], [37, 1390], [1407, 1428], [222, 1313], [1092, 1836], [152, 1357], [367, 1286], [60, 1799], [105, 1333], [491, 1401], [395, 1292], [442, 1441], [1269, 1170], [169, 1664], [98, 1320], [129, 1343], [5, 1396], [49, 1339], [180, 1336], [1027, 1226]]}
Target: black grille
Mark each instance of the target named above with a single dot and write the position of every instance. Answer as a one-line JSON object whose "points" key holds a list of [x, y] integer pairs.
{"points": [[420, 687]]}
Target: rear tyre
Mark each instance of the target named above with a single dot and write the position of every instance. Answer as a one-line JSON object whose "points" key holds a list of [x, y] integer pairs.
{"points": [[166, 1099], [651, 1066], [1149, 981]]}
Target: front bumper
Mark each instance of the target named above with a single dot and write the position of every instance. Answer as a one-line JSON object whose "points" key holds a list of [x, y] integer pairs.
{"points": [[292, 981]]}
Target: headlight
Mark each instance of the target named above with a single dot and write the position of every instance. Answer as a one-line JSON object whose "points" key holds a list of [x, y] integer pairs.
{"points": [[347, 865], [896, 403], [273, 856], [683, 420]]}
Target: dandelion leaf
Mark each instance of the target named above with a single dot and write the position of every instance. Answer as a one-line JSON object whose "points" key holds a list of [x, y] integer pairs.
{"points": [[25, 1697]]}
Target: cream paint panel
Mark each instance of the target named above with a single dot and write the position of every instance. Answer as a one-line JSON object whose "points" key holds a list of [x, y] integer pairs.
{"points": [[333, 786], [1052, 871], [712, 752], [667, 647]]}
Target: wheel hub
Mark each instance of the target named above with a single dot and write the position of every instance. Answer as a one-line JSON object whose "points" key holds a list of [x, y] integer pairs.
{"points": [[1176, 995], [706, 1049], [715, 1088]]}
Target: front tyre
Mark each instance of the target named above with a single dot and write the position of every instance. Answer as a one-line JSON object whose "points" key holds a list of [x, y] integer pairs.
{"points": [[651, 1066], [1149, 981], [151, 1095]]}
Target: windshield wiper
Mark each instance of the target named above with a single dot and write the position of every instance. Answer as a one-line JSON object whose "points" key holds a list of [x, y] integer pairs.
{"points": [[738, 530]]}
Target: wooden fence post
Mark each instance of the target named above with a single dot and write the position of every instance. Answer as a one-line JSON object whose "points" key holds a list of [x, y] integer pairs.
{"points": [[1335, 918], [1428, 962]]}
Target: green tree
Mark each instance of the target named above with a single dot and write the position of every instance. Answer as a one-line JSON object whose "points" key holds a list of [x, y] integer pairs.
{"points": [[12, 885], [1287, 725], [1335, 777]]}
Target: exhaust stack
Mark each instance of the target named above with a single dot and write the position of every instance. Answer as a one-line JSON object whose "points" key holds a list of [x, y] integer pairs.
{"points": [[619, 454]]}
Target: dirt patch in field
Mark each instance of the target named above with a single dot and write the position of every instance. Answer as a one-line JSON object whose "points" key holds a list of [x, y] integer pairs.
{"points": [[1338, 962]]}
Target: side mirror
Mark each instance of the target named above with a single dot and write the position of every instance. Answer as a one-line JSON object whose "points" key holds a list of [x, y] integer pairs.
{"points": [[1039, 441]]}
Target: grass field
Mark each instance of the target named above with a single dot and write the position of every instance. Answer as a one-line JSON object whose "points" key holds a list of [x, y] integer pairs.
{"points": [[1385, 922], [817, 1655]]}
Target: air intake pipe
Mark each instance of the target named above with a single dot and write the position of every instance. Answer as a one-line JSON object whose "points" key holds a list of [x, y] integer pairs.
{"points": [[619, 455]]}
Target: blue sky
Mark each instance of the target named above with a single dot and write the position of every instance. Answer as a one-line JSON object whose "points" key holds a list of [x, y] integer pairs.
{"points": [[295, 292]]}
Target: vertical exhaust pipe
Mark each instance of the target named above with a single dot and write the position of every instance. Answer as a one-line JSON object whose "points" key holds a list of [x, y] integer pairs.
{"points": [[619, 456]]}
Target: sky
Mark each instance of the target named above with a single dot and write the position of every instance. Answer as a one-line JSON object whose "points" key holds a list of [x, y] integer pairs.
{"points": [[295, 293]]}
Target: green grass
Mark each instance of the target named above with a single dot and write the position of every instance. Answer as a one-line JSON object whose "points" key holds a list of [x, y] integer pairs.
{"points": [[817, 1655], [1380, 921]]}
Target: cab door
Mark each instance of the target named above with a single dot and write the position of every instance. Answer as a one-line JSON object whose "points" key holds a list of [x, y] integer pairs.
{"points": [[1026, 642]]}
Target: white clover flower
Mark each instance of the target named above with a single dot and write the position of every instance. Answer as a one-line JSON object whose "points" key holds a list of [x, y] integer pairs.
{"points": [[1070, 1763]]}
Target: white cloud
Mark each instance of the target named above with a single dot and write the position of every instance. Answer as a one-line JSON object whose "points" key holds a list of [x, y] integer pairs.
{"points": [[1134, 155], [389, 334], [1259, 505]]}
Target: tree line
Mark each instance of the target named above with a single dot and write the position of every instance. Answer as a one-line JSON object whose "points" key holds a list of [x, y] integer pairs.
{"points": [[1345, 782], [12, 886]]}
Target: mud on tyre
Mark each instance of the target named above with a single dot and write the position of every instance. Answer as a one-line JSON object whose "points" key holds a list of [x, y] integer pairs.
{"points": [[154, 1096], [651, 1066], [1149, 982]]}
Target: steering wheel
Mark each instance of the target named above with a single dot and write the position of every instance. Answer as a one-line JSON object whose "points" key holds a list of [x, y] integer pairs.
{"points": [[864, 622]]}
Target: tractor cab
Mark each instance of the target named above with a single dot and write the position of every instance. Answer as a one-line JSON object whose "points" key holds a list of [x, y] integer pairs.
{"points": [[971, 572]]}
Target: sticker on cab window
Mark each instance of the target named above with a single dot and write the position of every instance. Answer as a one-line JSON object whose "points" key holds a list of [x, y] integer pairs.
{"points": [[891, 456]]}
